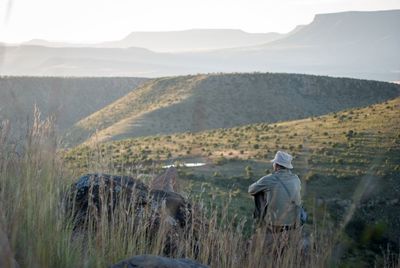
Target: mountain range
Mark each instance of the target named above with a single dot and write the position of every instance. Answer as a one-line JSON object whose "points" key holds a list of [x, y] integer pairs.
{"points": [[348, 44], [177, 41], [193, 40]]}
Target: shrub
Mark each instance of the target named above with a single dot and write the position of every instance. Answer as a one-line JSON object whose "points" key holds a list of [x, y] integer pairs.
{"points": [[300, 146], [217, 174], [249, 172], [220, 161], [310, 176], [339, 161]]}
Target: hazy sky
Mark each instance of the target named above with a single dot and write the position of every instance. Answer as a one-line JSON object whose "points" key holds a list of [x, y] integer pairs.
{"points": [[102, 20]]}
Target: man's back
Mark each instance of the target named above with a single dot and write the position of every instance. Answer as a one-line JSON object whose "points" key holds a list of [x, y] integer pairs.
{"points": [[282, 190]]}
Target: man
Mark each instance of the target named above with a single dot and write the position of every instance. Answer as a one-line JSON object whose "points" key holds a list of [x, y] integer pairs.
{"points": [[277, 195]]}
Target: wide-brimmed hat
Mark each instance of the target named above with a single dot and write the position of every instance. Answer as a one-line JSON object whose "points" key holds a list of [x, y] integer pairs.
{"points": [[283, 159]]}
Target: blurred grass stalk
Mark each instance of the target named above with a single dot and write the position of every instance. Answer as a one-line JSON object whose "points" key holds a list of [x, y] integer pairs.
{"points": [[33, 187]]}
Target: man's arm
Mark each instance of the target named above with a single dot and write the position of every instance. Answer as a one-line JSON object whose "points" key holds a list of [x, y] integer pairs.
{"points": [[263, 184]]}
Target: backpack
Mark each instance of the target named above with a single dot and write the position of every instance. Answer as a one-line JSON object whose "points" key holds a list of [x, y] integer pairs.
{"points": [[302, 213], [303, 216]]}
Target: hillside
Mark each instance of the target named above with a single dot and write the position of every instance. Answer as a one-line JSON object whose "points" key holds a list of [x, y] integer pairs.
{"points": [[348, 162], [33, 60], [68, 99], [201, 102]]}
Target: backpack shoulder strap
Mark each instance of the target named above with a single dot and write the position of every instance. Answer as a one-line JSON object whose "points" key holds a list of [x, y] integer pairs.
{"points": [[302, 214], [284, 186]]}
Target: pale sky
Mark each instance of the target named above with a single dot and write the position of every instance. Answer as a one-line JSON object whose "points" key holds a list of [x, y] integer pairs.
{"points": [[87, 21]]}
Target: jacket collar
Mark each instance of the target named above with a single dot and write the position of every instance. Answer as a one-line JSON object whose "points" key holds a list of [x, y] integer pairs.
{"points": [[283, 171]]}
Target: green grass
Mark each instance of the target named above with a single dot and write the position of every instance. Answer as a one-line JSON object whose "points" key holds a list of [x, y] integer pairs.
{"points": [[344, 159], [33, 184], [34, 176], [345, 143]]}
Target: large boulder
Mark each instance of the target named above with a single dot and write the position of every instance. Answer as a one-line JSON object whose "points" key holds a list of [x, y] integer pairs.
{"points": [[151, 261], [96, 199], [93, 193]]}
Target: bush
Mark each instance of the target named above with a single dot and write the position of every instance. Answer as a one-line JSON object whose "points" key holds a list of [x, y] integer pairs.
{"points": [[339, 161], [310, 176], [249, 172], [300, 146], [220, 161], [217, 174]]}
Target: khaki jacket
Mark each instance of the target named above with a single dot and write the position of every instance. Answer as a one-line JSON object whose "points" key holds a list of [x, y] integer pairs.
{"points": [[281, 209]]}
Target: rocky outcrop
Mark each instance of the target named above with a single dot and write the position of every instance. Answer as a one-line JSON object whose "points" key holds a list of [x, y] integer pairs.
{"points": [[151, 261], [92, 194], [97, 200], [96, 194]]}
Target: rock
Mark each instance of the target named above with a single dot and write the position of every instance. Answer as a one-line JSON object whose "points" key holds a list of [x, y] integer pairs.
{"points": [[96, 196], [176, 206], [151, 261], [92, 191], [165, 181]]}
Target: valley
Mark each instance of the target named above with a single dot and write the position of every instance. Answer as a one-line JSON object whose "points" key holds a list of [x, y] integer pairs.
{"points": [[348, 162]]}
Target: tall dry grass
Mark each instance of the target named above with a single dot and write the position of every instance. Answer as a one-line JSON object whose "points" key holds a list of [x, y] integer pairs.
{"points": [[40, 232]]}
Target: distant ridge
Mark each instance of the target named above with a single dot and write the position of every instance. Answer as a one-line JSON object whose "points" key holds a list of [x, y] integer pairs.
{"points": [[45, 43], [345, 28], [362, 45], [193, 40], [175, 41]]}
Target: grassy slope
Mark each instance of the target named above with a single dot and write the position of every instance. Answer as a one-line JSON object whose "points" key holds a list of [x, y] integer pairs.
{"points": [[346, 142], [203, 102], [69, 99], [37, 230], [347, 160], [153, 95]]}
